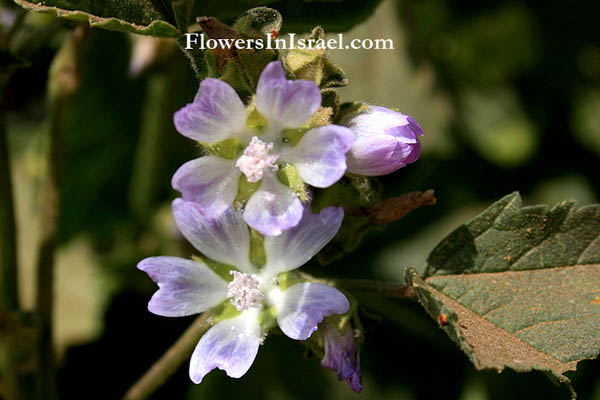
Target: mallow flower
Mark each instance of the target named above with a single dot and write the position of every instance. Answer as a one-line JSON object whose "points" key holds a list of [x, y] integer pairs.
{"points": [[251, 300], [261, 147], [342, 353], [386, 141]]}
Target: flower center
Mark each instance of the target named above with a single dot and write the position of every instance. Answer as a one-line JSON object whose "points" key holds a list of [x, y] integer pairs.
{"points": [[243, 291], [256, 160]]}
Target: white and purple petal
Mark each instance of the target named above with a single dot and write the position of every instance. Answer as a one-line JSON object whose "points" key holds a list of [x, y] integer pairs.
{"points": [[185, 287], [285, 103], [217, 113], [273, 208], [231, 345], [225, 239], [210, 181], [320, 156], [386, 141], [299, 244], [304, 305], [378, 155]]}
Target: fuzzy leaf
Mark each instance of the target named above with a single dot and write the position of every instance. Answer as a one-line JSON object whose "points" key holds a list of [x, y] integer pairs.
{"points": [[146, 17], [519, 287], [170, 19]]}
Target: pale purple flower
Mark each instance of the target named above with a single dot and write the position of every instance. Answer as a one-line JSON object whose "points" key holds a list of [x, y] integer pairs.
{"points": [[217, 114], [188, 287], [386, 141], [342, 354]]}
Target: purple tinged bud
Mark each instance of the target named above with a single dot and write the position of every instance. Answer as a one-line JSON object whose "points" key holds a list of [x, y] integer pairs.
{"points": [[342, 354], [386, 141]]}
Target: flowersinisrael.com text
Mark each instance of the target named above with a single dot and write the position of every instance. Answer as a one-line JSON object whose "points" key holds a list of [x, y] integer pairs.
{"points": [[199, 41]]}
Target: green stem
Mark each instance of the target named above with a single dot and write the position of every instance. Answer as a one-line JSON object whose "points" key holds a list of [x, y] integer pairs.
{"points": [[9, 296], [166, 366], [63, 82]]}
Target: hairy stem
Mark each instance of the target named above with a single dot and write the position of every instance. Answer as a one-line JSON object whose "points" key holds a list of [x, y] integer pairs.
{"points": [[63, 82], [385, 289], [166, 366], [380, 288]]}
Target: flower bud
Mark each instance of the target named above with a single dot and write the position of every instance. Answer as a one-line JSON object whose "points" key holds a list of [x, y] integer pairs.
{"points": [[342, 354], [386, 141]]}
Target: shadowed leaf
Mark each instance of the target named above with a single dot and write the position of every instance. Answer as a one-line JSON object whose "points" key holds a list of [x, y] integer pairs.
{"points": [[519, 286]]}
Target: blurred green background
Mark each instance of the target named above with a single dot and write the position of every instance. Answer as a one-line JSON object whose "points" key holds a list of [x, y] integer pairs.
{"points": [[508, 94]]}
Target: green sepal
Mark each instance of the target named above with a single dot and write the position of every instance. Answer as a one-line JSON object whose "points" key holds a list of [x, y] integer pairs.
{"points": [[245, 190], [313, 64], [289, 278], [289, 176], [258, 256], [349, 109], [330, 98], [229, 149], [223, 270], [255, 120], [293, 136], [268, 318], [223, 311], [258, 22]]}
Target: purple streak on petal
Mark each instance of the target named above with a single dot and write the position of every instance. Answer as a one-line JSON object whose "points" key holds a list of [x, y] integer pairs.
{"points": [[231, 345], [304, 306], [210, 181], [273, 208], [342, 354], [288, 104], [225, 239], [217, 113], [299, 244], [185, 287], [320, 156]]}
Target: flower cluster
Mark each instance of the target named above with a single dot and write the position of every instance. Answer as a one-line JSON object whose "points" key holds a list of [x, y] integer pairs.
{"points": [[249, 147]]}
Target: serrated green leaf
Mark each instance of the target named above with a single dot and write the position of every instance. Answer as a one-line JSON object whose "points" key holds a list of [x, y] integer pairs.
{"points": [[519, 287]]}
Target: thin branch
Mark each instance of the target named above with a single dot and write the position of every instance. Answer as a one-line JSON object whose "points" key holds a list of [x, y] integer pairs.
{"points": [[393, 209], [380, 288], [63, 82], [166, 366]]}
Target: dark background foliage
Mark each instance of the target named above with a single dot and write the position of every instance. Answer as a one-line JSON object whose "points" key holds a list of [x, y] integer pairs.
{"points": [[508, 94]]}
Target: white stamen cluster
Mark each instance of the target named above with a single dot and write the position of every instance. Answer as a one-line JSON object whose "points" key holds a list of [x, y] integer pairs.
{"points": [[243, 291], [256, 159]]}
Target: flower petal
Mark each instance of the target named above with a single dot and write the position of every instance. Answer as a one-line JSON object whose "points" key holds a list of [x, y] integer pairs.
{"points": [[304, 305], [376, 155], [231, 345], [273, 208], [225, 239], [185, 287], [288, 104], [320, 156], [210, 181], [217, 113], [299, 244]]}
